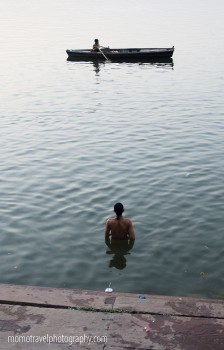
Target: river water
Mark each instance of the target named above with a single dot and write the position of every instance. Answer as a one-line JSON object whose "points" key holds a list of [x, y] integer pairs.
{"points": [[77, 137]]}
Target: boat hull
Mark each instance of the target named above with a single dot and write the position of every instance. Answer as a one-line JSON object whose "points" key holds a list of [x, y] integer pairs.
{"points": [[116, 55]]}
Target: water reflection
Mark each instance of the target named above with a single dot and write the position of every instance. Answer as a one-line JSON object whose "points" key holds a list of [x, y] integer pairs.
{"points": [[118, 248], [98, 64], [159, 64]]}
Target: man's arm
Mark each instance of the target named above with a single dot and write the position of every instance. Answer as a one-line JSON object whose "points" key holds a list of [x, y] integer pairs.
{"points": [[107, 229], [131, 231], [108, 242]]}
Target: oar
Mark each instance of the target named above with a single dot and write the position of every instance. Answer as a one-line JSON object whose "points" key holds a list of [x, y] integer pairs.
{"points": [[103, 54]]}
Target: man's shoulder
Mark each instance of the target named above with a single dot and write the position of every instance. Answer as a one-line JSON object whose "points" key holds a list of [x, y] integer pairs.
{"points": [[128, 221], [114, 220], [110, 220]]}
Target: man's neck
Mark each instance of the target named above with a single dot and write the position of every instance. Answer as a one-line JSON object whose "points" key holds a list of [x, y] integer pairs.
{"points": [[119, 217]]}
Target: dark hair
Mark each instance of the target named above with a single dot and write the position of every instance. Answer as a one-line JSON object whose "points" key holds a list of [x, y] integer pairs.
{"points": [[96, 40], [118, 209]]}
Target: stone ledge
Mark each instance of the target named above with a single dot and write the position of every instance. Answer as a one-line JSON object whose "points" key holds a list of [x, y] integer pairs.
{"points": [[99, 300]]}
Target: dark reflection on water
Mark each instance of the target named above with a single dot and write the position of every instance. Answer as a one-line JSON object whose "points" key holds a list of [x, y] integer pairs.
{"points": [[98, 64], [119, 248]]}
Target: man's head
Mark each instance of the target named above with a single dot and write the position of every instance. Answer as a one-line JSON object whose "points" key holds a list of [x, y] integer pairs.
{"points": [[118, 209], [96, 41]]}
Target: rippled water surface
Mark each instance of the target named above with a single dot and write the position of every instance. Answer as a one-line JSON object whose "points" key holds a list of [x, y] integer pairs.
{"points": [[77, 137]]}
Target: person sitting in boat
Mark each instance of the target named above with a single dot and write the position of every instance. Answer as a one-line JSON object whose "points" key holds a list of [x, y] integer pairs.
{"points": [[96, 45]]}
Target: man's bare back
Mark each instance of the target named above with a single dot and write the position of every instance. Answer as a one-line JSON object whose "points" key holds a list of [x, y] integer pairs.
{"points": [[119, 228]]}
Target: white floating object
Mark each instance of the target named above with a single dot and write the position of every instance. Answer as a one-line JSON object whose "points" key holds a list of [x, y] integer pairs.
{"points": [[109, 290]]}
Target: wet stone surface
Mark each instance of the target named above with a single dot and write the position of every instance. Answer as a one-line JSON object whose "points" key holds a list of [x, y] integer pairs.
{"points": [[77, 321]]}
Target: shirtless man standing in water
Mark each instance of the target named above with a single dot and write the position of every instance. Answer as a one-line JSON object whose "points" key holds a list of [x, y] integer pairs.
{"points": [[119, 227]]}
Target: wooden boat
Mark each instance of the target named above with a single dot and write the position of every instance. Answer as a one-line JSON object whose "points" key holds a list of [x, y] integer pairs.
{"points": [[129, 54]]}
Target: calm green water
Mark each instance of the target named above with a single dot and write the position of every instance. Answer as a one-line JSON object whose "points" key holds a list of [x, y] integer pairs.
{"points": [[77, 137]]}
